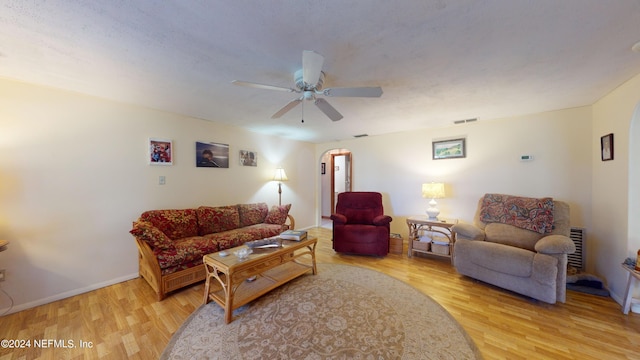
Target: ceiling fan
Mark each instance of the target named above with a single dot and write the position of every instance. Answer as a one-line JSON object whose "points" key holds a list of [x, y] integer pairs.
{"points": [[308, 81]]}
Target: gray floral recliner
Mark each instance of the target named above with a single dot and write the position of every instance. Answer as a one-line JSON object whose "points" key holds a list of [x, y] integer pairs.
{"points": [[502, 252]]}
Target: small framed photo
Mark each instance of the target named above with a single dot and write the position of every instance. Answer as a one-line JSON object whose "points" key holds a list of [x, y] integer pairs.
{"points": [[449, 149], [212, 155], [323, 168], [606, 147], [248, 158], [160, 151]]}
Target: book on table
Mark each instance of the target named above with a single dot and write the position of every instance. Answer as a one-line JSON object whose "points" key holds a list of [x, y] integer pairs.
{"points": [[296, 235]]}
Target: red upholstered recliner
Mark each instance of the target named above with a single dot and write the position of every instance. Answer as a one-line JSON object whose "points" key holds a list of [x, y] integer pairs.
{"points": [[359, 224]]}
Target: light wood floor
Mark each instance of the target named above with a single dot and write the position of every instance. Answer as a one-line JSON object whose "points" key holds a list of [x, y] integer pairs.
{"points": [[125, 320]]}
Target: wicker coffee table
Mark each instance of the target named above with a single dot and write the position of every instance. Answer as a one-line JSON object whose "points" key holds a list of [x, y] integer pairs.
{"points": [[235, 284]]}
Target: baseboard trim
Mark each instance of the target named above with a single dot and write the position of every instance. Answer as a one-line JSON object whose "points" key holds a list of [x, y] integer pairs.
{"points": [[66, 294]]}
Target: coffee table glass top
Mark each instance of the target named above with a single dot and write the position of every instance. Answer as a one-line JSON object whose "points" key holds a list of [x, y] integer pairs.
{"points": [[231, 259]]}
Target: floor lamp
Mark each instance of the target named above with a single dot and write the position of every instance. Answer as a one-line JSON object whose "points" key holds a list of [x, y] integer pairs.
{"points": [[280, 176]]}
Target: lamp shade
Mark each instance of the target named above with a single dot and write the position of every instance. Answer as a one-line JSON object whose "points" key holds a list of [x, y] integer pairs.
{"points": [[280, 175], [433, 191]]}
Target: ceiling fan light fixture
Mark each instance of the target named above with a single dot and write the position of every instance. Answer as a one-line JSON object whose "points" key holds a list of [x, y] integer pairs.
{"points": [[303, 86], [308, 82], [309, 95]]}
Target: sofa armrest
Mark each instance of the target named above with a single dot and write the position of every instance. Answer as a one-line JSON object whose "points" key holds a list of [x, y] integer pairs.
{"points": [[555, 244], [292, 222], [339, 219], [468, 231], [382, 220]]}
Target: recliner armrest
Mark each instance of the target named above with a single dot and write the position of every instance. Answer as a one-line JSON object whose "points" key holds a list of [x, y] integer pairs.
{"points": [[468, 231], [339, 218], [555, 244], [382, 220]]}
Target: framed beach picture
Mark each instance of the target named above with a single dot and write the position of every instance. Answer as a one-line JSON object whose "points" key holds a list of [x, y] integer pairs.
{"points": [[606, 147], [160, 151], [212, 155], [248, 158], [449, 149]]}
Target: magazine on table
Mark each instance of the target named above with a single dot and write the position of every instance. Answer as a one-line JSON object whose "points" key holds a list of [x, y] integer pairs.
{"points": [[296, 235]]}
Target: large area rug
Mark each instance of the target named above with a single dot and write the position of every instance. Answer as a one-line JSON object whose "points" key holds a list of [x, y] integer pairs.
{"points": [[344, 312]]}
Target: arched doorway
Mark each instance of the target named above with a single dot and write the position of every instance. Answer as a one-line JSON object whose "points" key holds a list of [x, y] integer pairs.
{"points": [[336, 176]]}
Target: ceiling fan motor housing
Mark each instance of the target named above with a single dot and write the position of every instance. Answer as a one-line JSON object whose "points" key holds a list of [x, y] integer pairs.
{"points": [[300, 84]]}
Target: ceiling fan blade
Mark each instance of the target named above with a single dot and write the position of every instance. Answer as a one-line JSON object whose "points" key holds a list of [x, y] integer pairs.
{"points": [[328, 110], [293, 103], [354, 92], [311, 67], [261, 86]]}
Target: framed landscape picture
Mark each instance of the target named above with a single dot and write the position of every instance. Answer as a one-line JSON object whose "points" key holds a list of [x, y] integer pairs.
{"points": [[449, 149], [606, 147], [212, 155], [160, 151]]}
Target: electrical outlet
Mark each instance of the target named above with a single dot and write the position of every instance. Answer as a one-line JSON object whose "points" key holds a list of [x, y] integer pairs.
{"points": [[2, 274]]}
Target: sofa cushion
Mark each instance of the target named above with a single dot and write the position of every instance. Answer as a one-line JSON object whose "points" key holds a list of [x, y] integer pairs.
{"points": [[194, 248], [217, 219], [176, 224], [360, 216], [278, 214], [511, 235], [523, 212], [502, 258], [251, 214], [151, 235]]}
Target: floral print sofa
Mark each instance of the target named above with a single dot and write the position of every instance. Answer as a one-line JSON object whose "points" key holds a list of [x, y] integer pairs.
{"points": [[172, 242]]}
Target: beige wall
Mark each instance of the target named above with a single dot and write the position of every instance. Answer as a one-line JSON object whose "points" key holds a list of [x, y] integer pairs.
{"points": [[74, 175], [616, 200], [397, 164]]}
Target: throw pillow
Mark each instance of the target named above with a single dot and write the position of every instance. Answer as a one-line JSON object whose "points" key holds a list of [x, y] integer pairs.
{"points": [[217, 219], [154, 237], [251, 214], [278, 214]]}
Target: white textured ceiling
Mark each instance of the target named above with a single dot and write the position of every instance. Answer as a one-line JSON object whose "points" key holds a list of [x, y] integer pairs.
{"points": [[437, 61]]}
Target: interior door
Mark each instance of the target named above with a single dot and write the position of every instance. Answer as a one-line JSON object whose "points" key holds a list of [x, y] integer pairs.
{"points": [[341, 177]]}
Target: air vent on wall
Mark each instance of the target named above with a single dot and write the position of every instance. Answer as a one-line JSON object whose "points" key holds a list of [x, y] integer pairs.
{"points": [[457, 122], [577, 259]]}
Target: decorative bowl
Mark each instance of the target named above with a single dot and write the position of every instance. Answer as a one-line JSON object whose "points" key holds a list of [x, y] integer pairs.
{"points": [[242, 253]]}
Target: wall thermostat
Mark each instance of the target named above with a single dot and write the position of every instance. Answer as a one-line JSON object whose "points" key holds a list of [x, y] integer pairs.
{"points": [[526, 157]]}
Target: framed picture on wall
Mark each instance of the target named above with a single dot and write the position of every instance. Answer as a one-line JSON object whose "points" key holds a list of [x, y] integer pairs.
{"points": [[606, 147], [212, 155], [160, 151], [449, 149], [248, 158]]}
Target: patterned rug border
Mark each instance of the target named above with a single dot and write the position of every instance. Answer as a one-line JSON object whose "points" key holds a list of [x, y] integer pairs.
{"points": [[166, 354]]}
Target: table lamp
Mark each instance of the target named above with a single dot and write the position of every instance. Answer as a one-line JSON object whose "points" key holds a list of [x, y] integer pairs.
{"points": [[433, 191]]}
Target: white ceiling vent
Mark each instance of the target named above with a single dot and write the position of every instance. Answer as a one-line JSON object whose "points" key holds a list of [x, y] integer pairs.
{"points": [[457, 122]]}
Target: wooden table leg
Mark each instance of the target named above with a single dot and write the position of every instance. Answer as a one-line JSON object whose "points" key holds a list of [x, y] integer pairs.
{"points": [[626, 305], [228, 302], [313, 259], [206, 286]]}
